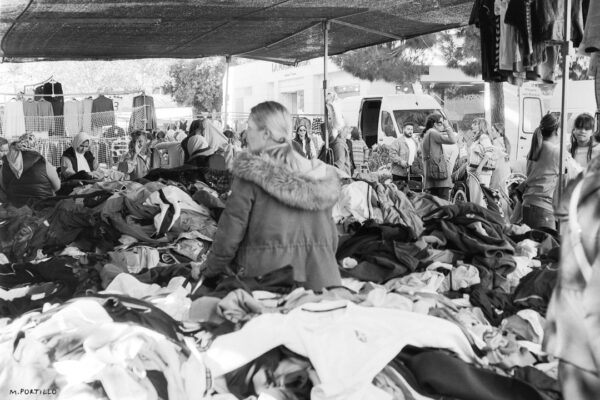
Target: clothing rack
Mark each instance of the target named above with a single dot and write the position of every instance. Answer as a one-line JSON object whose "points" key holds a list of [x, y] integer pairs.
{"points": [[51, 80], [81, 94]]}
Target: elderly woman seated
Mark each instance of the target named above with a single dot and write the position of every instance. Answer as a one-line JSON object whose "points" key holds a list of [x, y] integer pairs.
{"points": [[78, 162], [26, 176]]}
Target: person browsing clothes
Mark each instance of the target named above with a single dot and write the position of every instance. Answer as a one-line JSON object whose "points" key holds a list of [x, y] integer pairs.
{"points": [[279, 211]]}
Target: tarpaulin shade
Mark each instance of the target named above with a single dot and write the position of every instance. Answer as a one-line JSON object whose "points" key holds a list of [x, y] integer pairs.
{"points": [[281, 31]]}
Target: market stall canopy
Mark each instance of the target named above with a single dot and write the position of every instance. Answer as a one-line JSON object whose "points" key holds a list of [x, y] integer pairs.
{"points": [[275, 30]]}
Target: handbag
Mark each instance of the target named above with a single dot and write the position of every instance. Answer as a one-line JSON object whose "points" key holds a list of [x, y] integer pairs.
{"points": [[437, 168]]}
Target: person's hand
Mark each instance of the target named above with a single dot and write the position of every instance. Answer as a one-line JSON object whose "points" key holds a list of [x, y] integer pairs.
{"points": [[447, 126]]}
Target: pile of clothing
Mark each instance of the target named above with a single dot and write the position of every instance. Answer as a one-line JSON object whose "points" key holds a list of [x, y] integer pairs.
{"points": [[438, 300]]}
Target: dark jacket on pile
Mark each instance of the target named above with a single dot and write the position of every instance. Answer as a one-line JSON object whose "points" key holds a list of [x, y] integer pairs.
{"points": [[33, 184], [479, 234], [274, 218]]}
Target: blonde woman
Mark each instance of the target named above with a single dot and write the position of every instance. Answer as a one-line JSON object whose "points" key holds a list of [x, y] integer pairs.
{"points": [[482, 157], [279, 211]]}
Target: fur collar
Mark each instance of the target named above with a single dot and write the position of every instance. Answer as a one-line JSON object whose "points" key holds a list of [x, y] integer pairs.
{"points": [[295, 190]]}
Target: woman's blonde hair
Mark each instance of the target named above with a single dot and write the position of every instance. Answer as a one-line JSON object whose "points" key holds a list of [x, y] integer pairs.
{"points": [[276, 120], [483, 127]]}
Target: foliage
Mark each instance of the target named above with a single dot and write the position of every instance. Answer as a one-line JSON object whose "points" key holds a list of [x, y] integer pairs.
{"points": [[399, 62], [461, 49], [197, 83]]}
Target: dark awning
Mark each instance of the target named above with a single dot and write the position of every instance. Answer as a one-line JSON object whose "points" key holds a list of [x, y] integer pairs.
{"points": [[274, 30]]}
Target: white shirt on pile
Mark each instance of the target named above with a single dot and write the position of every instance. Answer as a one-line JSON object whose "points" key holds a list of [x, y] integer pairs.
{"points": [[347, 344]]}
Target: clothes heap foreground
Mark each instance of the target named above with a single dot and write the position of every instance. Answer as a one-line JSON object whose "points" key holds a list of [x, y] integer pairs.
{"points": [[437, 301]]}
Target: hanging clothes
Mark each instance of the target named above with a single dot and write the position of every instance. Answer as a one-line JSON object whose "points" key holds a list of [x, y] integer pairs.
{"points": [[591, 36], [13, 122], [145, 117], [483, 16], [103, 113], [73, 117], [53, 94], [86, 117], [45, 116], [30, 111]]}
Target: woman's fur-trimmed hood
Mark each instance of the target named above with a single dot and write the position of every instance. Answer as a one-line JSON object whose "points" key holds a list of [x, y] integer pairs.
{"points": [[298, 190]]}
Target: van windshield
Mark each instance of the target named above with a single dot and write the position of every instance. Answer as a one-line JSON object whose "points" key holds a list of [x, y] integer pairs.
{"points": [[417, 117]]}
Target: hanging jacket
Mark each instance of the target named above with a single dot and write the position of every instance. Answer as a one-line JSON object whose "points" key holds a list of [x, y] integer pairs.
{"points": [[275, 218], [33, 184]]}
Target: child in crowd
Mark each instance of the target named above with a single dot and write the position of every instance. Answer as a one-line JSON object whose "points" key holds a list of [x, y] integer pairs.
{"points": [[584, 143]]}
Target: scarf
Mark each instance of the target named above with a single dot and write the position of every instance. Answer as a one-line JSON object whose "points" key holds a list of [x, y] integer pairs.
{"points": [[15, 157], [79, 139]]}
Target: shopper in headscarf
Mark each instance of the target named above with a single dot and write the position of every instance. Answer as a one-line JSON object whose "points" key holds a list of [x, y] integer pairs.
{"points": [[198, 150], [26, 176], [78, 158], [279, 211], [196, 128], [136, 162]]}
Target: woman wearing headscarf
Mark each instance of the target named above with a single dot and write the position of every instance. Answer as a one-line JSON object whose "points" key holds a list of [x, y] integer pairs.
{"points": [[78, 158], [26, 175], [136, 162], [198, 150], [275, 184]]}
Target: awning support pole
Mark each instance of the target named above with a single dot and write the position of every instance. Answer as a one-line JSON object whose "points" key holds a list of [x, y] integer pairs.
{"points": [[226, 96], [563, 109], [325, 57]]}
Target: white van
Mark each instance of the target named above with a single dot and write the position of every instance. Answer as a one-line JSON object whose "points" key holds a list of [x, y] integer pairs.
{"points": [[581, 98], [523, 110], [381, 118]]}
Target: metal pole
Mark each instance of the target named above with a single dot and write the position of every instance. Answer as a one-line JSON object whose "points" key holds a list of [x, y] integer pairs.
{"points": [[226, 97], [565, 80], [325, 56]]}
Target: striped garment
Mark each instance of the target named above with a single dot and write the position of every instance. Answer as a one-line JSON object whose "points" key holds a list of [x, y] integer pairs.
{"points": [[358, 152]]}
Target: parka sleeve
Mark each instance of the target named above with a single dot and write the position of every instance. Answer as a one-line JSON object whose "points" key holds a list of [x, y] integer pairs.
{"points": [[232, 227]]}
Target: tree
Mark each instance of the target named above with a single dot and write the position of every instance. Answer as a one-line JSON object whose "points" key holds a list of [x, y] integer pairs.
{"points": [[461, 48], [398, 62], [197, 83]]}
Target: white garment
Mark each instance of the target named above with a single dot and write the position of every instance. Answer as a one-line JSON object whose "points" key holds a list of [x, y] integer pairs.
{"points": [[348, 345], [82, 164], [13, 123], [86, 119], [412, 150], [355, 201], [72, 117]]}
